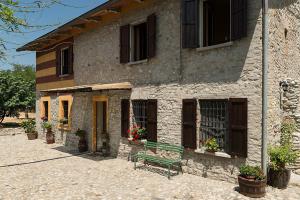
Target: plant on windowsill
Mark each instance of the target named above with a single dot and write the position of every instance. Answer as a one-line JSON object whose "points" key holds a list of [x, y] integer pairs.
{"points": [[82, 144], [137, 134], [252, 182], [211, 145], [63, 122], [49, 135], [281, 156], [30, 129]]}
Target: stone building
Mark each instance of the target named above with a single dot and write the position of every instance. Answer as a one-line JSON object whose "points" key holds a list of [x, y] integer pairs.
{"points": [[186, 70]]}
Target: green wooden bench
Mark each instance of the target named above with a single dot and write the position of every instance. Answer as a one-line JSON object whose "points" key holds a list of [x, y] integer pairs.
{"points": [[155, 158]]}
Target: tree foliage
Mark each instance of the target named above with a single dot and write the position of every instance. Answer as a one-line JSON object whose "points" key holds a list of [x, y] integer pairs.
{"points": [[16, 93]]}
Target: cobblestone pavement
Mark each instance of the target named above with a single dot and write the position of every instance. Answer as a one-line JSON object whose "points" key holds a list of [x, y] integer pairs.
{"points": [[35, 170]]}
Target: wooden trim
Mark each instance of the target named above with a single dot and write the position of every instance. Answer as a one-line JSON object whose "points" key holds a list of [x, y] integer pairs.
{"points": [[53, 85], [94, 136], [42, 109], [45, 58], [46, 65], [68, 98], [53, 78], [46, 72]]}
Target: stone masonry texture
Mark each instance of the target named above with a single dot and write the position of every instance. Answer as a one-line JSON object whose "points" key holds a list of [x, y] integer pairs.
{"points": [[175, 74]]}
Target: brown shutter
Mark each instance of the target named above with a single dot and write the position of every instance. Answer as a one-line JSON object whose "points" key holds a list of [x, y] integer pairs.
{"points": [[151, 28], [238, 19], [58, 61], [238, 119], [71, 59], [125, 116], [152, 120], [190, 23], [125, 44], [189, 118]]}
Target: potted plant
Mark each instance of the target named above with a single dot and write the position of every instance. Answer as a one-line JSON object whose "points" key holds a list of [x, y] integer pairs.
{"points": [[49, 134], [281, 156], [211, 145], [29, 128], [252, 182], [137, 133], [63, 121], [82, 144]]}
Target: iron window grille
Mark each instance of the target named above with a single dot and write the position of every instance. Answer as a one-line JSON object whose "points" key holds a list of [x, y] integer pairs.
{"points": [[214, 121], [140, 113], [46, 107], [66, 110]]}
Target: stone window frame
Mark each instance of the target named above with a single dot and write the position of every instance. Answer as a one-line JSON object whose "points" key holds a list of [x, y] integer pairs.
{"points": [[69, 99]]}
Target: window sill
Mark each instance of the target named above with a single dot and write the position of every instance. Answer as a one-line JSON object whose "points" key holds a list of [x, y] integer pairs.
{"points": [[138, 62], [64, 128], [217, 154], [137, 142], [64, 75], [227, 44]]}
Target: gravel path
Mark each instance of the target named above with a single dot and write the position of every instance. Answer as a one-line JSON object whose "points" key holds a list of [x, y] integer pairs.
{"points": [[34, 170]]}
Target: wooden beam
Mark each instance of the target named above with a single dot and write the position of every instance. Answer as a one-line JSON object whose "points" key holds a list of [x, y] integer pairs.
{"points": [[95, 19], [116, 10]]}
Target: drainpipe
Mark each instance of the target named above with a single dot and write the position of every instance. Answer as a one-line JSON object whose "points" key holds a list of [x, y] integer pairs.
{"points": [[265, 59]]}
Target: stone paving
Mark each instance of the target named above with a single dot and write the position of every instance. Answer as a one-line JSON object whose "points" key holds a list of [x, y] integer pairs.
{"points": [[35, 170]]}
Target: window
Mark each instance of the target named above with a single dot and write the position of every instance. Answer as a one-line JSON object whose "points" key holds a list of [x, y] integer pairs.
{"points": [[46, 109], [140, 113], [139, 42], [214, 121], [65, 110], [214, 22], [64, 64], [64, 115]]}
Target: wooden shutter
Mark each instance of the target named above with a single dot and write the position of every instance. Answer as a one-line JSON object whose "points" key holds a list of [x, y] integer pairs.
{"points": [[125, 116], [189, 118], [152, 120], [71, 59], [58, 61], [125, 44], [151, 29], [238, 19], [190, 23], [238, 119]]}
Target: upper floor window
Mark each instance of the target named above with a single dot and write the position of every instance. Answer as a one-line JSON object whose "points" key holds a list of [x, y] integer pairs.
{"points": [[138, 40], [213, 22], [64, 60]]}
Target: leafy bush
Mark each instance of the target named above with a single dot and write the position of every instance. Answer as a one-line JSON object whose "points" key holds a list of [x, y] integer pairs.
{"points": [[46, 125], [28, 126], [288, 127], [280, 156], [212, 145], [254, 172]]}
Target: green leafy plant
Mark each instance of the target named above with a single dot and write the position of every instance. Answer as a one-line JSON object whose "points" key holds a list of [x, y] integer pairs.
{"points": [[46, 125], [288, 127], [80, 133], [28, 126], [212, 145], [251, 172], [280, 156]]}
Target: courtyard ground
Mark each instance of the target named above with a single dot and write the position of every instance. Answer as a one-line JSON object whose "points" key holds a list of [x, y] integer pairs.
{"points": [[35, 170]]}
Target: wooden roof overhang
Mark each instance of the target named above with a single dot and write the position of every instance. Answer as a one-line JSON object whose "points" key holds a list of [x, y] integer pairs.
{"points": [[91, 88], [103, 13]]}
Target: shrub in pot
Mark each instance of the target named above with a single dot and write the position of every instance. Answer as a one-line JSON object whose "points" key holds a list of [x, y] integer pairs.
{"points": [[82, 144], [280, 156], [49, 134], [30, 129], [211, 145], [252, 182]]}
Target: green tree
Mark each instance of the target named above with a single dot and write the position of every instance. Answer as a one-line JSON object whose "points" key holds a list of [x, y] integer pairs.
{"points": [[16, 94], [25, 71]]}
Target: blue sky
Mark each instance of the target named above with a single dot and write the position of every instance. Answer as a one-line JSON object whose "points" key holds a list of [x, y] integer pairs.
{"points": [[56, 16]]}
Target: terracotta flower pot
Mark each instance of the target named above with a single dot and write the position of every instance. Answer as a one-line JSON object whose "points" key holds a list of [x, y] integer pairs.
{"points": [[279, 178], [252, 188], [50, 138], [32, 136]]}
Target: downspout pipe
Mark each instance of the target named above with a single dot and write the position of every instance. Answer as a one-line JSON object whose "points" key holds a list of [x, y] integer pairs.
{"points": [[265, 66]]}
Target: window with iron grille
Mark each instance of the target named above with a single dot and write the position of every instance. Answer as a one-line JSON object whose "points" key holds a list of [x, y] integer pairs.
{"points": [[214, 122], [140, 113], [66, 109]]}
